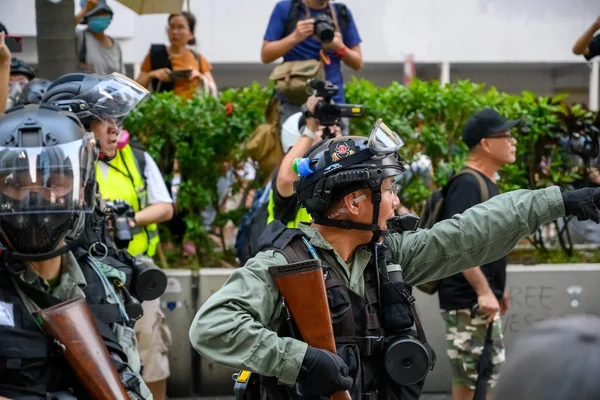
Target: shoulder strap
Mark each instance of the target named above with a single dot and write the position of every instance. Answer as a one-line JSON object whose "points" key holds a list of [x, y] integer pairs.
{"points": [[342, 16], [196, 56], [483, 188], [140, 159], [83, 48], [287, 241], [293, 17]]}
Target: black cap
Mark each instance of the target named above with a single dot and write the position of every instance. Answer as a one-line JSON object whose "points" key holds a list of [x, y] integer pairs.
{"points": [[3, 28], [485, 124]]}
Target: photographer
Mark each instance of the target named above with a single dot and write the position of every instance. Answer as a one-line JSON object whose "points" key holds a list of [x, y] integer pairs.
{"points": [[126, 173], [298, 135], [291, 34], [588, 45], [176, 67]]}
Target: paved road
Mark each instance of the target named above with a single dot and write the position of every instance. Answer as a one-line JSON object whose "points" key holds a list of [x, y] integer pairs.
{"points": [[423, 397]]}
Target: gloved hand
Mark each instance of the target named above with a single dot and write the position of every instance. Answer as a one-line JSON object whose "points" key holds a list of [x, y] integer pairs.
{"points": [[583, 204], [323, 373]]}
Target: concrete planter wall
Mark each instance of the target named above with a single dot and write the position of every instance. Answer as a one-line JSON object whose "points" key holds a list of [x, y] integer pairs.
{"points": [[538, 292]]}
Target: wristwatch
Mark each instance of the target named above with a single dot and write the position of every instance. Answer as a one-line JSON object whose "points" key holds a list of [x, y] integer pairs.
{"points": [[307, 132]]}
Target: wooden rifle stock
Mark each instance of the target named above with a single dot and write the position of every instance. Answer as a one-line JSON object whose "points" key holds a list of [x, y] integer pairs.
{"points": [[71, 324], [302, 285]]}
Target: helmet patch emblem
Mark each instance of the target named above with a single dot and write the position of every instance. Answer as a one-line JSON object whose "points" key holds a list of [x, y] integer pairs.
{"points": [[341, 150]]}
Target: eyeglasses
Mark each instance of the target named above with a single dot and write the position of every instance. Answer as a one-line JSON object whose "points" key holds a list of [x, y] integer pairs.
{"points": [[506, 136], [175, 28], [394, 189]]}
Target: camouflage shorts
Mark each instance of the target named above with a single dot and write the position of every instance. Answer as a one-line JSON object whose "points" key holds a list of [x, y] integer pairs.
{"points": [[465, 338]]}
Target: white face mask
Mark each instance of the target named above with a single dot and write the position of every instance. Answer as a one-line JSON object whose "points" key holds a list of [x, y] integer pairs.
{"points": [[14, 91]]}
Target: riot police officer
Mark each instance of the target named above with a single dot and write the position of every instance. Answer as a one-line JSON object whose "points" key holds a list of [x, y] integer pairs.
{"points": [[126, 172], [347, 184], [47, 182]]}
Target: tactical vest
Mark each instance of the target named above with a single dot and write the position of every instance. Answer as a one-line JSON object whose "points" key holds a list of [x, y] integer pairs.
{"points": [[30, 362], [125, 181], [359, 334]]}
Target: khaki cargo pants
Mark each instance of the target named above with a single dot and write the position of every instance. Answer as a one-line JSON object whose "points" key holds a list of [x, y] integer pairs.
{"points": [[154, 340]]}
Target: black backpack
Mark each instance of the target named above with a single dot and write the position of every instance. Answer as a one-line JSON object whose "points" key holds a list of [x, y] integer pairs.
{"points": [[252, 226], [433, 210]]}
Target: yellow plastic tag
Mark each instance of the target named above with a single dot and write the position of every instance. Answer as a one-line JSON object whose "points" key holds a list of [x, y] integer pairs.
{"points": [[243, 376]]}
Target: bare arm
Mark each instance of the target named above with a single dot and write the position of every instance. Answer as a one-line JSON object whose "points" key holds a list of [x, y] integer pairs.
{"points": [[4, 72], [162, 75], [89, 6], [581, 46], [478, 281], [154, 214], [271, 51], [286, 175], [353, 58]]}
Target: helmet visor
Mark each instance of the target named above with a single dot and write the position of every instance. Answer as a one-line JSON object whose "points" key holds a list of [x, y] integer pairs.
{"points": [[383, 140], [113, 98], [47, 179]]}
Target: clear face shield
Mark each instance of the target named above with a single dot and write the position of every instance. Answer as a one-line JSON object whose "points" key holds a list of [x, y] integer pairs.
{"points": [[383, 141], [46, 180], [112, 99]]}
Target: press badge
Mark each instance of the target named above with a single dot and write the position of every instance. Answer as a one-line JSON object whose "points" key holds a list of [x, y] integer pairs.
{"points": [[7, 317]]}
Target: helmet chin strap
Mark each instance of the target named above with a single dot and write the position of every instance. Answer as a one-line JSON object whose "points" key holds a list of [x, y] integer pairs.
{"points": [[105, 158], [37, 257], [348, 224]]}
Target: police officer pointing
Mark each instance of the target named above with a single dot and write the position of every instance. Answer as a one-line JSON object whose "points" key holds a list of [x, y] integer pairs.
{"points": [[47, 182], [347, 184]]}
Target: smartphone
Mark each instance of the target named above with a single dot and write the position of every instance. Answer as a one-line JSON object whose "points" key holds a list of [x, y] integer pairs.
{"points": [[181, 73], [14, 43]]}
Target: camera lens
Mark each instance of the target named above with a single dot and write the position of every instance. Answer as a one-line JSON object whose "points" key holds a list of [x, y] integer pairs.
{"points": [[324, 29]]}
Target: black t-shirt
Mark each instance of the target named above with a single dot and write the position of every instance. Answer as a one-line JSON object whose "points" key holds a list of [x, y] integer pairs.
{"points": [[594, 47], [455, 292], [285, 208]]}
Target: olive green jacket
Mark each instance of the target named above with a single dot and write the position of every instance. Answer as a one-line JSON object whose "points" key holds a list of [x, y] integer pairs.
{"points": [[236, 326]]}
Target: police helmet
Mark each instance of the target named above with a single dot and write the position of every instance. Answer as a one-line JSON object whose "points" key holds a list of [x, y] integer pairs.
{"points": [[17, 66], [34, 91], [336, 167], [109, 98], [47, 165]]}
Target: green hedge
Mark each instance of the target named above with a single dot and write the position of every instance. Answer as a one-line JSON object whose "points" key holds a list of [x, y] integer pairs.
{"points": [[206, 136]]}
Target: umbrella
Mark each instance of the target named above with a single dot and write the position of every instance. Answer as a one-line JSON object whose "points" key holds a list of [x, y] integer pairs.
{"points": [[154, 6], [485, 365]]}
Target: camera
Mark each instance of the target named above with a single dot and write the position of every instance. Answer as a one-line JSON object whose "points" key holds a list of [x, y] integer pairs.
{"points": [[326, 111], [324, 28], [148, 282], [119, 212]]}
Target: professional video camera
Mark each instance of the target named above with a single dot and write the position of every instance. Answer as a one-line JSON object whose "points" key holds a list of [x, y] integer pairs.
{"points": [[326, 111], [148, 281]]}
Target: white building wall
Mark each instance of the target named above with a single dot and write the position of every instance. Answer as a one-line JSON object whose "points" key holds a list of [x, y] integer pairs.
{"points": [[458, 31]]}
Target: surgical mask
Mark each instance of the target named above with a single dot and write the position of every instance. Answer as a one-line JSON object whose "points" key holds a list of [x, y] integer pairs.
{"points": [[14, 91], [99, 23]]}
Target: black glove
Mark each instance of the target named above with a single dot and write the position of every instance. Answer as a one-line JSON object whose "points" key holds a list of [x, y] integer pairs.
{"points": [[322, 373], [583, 204]]}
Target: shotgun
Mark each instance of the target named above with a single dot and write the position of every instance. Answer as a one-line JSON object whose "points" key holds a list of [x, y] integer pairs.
{"points": [[71, 324], [302, 286]]}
